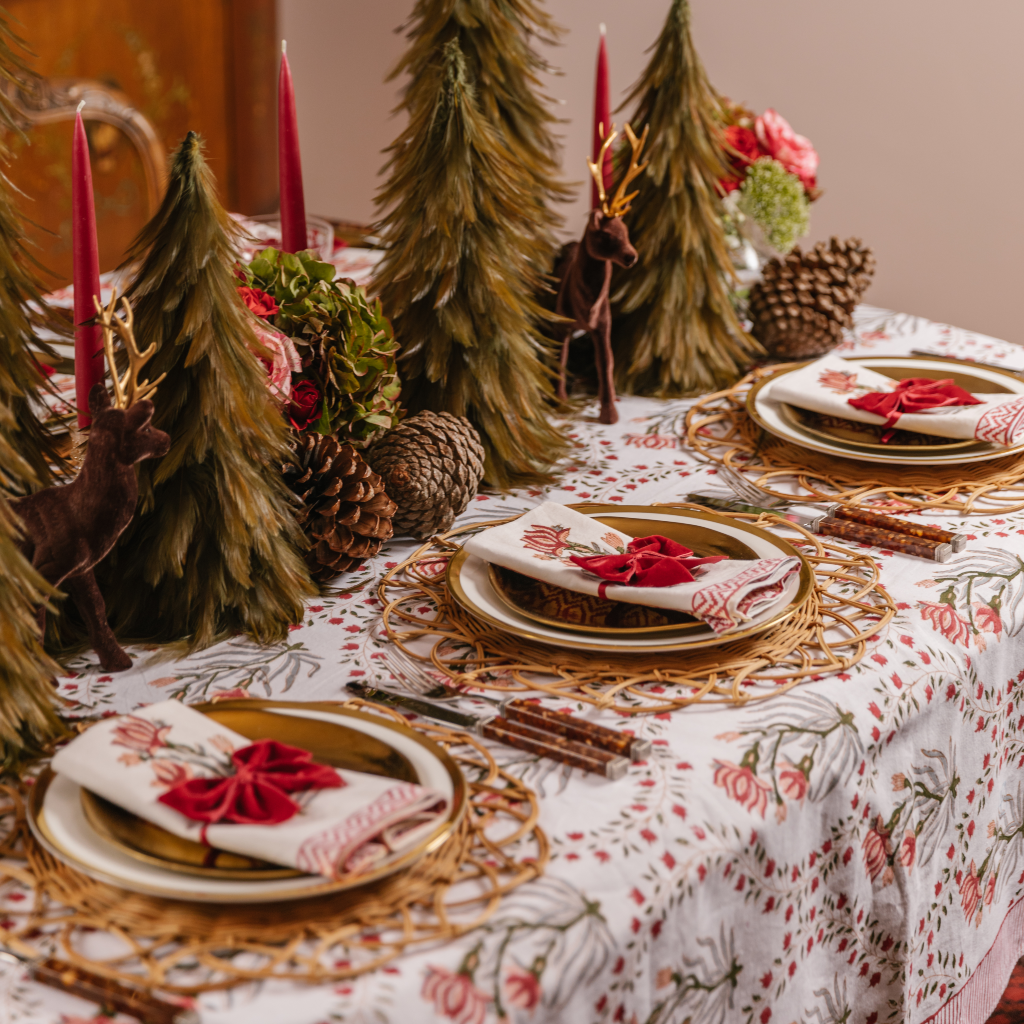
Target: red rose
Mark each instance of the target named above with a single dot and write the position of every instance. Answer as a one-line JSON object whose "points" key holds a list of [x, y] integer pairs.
{"points": [[258, 301], [743, 786], [793, 151], [305, 405], [742, 149]]}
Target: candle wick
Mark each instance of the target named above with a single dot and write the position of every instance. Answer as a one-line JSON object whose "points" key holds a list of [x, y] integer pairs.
{"points": [[602, 28], [81, 106], [284, 46]]}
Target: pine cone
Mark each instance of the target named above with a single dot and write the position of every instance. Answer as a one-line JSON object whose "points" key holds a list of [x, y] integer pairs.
{"points": [[804, 300], [432, 464], [345, 512]]}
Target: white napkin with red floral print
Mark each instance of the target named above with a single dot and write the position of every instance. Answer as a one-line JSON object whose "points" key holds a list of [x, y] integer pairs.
{"points": [[725, 594], [827, 384], [133, 759]]}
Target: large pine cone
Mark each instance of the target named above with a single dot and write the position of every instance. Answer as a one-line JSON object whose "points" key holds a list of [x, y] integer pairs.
{"points": [[432, 464], [804, 300], [345, 512]]}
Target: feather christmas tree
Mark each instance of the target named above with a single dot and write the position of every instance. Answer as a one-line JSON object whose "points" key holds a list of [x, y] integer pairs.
{"points": [[675, 331], [213, 548], [460, 275], [23, 313], [496, 44], [28, 719]]}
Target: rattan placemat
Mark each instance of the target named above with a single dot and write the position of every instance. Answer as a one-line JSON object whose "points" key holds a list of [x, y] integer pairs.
{"points": [[829, 633], [718, 428], [187, 948]]}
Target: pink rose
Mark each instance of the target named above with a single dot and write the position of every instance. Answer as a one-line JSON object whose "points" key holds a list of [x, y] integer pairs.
{"points": [[282, 362], [455, 996], [946, 621], [170, 773], [908, 849], [743, 786], [522, 989], [792, 782], [877, 847], [970, 893], [260, 302], [140, 734], [793, 151], [550, 540]]}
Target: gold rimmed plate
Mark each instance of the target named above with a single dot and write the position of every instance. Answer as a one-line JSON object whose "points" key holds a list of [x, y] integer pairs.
{"points": [[777, 419], [585, 613], [365, 742], [470, 583]]}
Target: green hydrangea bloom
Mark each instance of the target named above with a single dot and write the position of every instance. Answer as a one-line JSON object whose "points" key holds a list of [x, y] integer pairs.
{"points": [[776, 201]]}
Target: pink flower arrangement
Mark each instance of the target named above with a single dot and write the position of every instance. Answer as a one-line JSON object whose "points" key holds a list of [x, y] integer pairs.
{"points": [[140, 735], [455, 996], [743, 786], [748, 137], [549, 540], [945, 619]]}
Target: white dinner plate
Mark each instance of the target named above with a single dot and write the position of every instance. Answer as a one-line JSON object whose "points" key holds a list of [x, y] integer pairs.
{"points": [[767, 412], [65, 831], [470, 584]]}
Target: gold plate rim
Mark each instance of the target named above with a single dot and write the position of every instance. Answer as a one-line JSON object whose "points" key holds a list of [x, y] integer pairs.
{"points": [[455, 563], [860, 455], [446, 829]]}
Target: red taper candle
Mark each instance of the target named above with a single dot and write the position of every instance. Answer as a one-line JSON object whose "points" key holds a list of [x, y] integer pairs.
{"points": [[289, 160], [89, 366], [602, 115]]}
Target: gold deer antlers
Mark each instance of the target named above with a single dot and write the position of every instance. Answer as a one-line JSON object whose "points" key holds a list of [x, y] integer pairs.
{"points": [[620, 202], [127, 389]]}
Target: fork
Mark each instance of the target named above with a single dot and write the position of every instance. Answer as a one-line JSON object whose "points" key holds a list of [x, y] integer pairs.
{"points": [[736, 481], [418, 680]]}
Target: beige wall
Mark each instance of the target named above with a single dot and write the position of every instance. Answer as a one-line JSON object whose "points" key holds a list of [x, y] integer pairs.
{"points": [[913, 105]]}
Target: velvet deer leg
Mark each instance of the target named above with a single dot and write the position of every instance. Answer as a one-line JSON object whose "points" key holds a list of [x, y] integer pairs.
{"points": [[563, 361], [83, 590], [602, 336]]}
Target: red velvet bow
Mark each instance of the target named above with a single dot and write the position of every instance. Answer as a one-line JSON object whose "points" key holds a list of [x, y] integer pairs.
{"points": [[912, 395], [652, 561], [257, 794]]}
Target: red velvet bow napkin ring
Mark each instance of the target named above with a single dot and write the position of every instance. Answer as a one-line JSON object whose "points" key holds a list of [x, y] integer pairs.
{"points": [[913, 394], [653, 561], [256, 793]]}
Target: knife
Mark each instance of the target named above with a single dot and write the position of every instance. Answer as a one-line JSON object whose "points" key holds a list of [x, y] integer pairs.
{"points": [[512, 734], [108, 994]]}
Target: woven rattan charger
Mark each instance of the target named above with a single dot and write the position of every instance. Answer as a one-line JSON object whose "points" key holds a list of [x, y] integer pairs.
{"points": [[188, 948], [718, 428], [829, 633]]}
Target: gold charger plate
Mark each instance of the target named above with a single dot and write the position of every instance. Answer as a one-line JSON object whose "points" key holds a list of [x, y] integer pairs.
{"points": [[585, 613], [255, 720], [841, 440], [634, 521]]}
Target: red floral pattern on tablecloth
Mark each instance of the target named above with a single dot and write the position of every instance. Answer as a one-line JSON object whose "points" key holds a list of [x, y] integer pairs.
{"points": [[847, 850]]}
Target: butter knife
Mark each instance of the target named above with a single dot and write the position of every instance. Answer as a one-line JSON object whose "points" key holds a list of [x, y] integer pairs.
{"points": [[511, 733]]}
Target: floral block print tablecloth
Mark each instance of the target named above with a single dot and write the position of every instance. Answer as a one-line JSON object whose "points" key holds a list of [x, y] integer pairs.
{"points": [[851, 851]]}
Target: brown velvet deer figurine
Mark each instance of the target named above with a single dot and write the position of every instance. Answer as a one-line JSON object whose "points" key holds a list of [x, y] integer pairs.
{"points": [[585, 269], [71, 527]]}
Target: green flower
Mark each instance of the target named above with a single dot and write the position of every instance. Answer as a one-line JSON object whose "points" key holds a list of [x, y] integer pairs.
{"points": [[346, 344], [776, 201]]}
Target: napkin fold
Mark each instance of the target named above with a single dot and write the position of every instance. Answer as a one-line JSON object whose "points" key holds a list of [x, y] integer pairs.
{"points": [[827, 385], [544, 543], [135, 759]]}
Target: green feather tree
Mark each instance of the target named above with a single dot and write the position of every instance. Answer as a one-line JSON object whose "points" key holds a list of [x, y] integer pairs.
{"points": [[460, 276], [675, 331], [213, 548], [28, 719], [24, 430], [503, 66]]}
